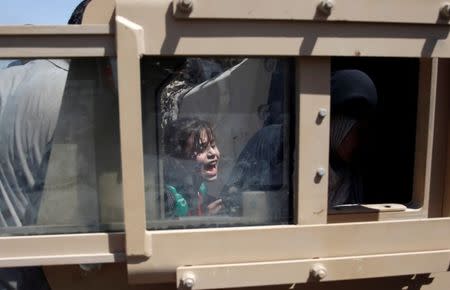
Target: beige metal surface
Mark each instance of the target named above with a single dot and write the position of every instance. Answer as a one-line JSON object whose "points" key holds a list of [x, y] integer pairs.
{"points": [[441, 147], [399, 11], [61, 249], [262, 244], [100, 12], [166, 35], [347, 216], [56, 41], [129, 50], [368, 208], [426, 106], [313, 80], [300, 271]]}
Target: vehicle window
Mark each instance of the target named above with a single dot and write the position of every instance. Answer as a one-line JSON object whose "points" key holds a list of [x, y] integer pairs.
{"points": [[217, 141], [373, 130], [59, 147]]}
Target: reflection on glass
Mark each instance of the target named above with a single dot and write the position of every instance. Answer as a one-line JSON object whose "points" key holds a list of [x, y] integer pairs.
{"points": [[217, 142], [59, 147]]}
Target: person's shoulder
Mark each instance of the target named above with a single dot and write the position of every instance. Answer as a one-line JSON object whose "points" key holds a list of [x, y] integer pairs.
{"points": [[270, 135], [273, 128], [44, 71], [56, 64], [24, 66], [170, 189]]}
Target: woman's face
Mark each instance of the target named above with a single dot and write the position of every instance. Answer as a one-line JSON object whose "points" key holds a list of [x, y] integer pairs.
{"points": [[207, 160], [353, 141]]}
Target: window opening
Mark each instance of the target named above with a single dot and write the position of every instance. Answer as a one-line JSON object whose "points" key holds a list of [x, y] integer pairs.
{"points": [[372, 130], [217, 141], [59, 150]]}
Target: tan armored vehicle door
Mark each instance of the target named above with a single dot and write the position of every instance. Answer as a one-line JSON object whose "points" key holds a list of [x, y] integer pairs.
{"points": [[316, 242]]}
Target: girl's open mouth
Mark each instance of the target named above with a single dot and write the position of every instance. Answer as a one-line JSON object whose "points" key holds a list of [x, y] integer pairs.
{"points": [[211, 168]]}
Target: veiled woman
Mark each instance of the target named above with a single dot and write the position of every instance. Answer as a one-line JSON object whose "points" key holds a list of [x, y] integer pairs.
{"points": [[353, 100]]}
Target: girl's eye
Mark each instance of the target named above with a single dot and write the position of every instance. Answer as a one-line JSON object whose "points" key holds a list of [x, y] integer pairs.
{"points": [[203, 147]]}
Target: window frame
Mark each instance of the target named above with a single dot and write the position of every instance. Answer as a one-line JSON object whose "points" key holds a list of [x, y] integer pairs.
{"points": [[155, 255], [59, 41], [425, 166]]}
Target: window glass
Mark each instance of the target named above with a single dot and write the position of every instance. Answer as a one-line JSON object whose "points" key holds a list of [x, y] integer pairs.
{"points": [[372, 130], [59, 147], [217, 141]]}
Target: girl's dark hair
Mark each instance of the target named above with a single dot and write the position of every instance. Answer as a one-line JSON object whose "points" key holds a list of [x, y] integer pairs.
{"points": [[178, 133]]}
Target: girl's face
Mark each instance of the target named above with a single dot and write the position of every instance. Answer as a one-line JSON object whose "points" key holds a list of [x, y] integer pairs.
{"points": [[207, 159]]}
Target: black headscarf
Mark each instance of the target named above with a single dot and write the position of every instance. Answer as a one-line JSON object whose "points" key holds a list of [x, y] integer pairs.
{"points": [[77, 15], [353, 98], [353, 93]]}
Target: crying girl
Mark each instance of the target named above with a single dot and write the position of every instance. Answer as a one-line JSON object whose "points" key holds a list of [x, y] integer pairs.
{"points": [[191, 160]]}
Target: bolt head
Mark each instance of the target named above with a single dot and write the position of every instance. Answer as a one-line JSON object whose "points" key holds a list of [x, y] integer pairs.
{"points": [[445, 10], [319, 271], [185, 6], [323, 113], [188, 280], [321, 172], [321, 274], [90, 267], [328, 5], [325, 6]]}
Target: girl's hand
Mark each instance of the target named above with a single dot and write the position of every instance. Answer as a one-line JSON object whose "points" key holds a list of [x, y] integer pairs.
{"points": [[214, 207]]}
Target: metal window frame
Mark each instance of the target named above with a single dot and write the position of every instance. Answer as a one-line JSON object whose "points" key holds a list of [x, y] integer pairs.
{"points": [[384, 11], [59, 41], [153, 256]]}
